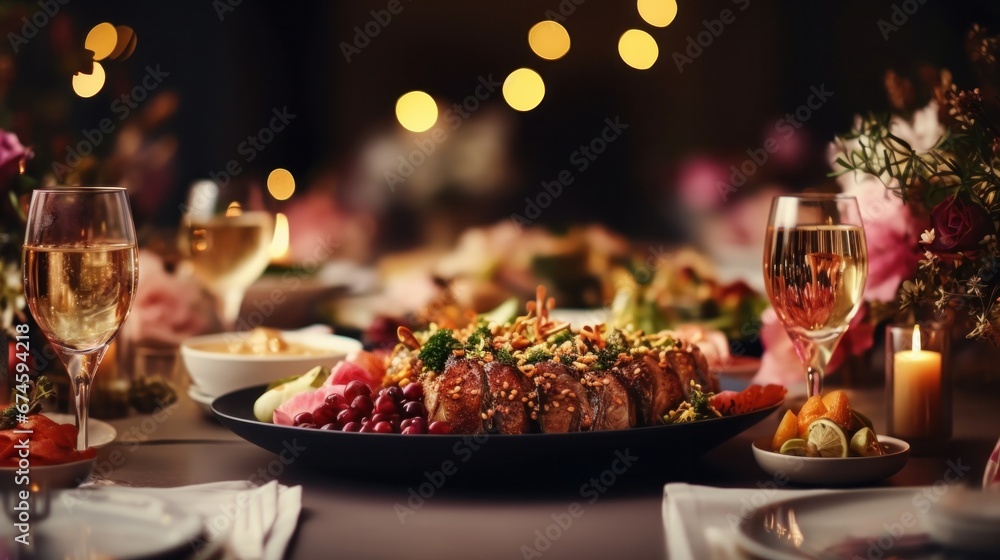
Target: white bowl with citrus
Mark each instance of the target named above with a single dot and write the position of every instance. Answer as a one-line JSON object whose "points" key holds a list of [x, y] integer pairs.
{"points": [[828, 443]]}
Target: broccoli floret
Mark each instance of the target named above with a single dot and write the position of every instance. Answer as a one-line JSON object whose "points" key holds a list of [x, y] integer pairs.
{"points": [[480, 339], [561, 336], [566, 359], [504, 356], [434, 353], [536, 355], [607, 357]]}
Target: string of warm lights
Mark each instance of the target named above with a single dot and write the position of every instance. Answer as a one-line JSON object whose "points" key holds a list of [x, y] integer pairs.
{"points": [[524, 88]]}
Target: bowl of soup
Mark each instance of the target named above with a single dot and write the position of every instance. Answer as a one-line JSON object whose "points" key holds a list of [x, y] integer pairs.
{"points": [[224, 362]]}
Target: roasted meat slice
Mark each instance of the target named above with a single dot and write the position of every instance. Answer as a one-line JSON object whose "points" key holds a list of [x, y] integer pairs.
{"points": [[610, 400], [690, 365], [564, 405], [456, 396], [507, 396], [656, 390]]}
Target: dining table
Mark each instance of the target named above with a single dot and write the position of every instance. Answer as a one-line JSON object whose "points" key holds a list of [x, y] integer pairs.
{"points": [[488, 517]]}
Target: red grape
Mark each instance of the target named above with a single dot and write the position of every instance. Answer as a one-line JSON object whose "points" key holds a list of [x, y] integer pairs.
{"points": [[383, 428], [412, 430], [413, 391], [363, 404], [367, 428], [414, 410], [418, 422], [336, 401], [303, 418], [348, 415], [395, 392], [324, 415], [355, 388], [328, 427], [385, 405], [439, 427], [352, 427]]}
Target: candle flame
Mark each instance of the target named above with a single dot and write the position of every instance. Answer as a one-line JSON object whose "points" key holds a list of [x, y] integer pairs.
{"points": [[916, 338]]}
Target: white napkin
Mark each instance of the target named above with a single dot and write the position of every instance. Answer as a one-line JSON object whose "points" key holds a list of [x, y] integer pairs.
{"points": [[702, 521], [246, 522]]}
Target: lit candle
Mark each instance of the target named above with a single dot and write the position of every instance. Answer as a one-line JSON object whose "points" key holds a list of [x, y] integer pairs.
{"points": [[916, 401]]}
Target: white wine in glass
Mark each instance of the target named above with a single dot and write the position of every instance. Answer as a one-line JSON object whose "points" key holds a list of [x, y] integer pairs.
{"points": [[80, 275], [815, 267], [228, 253]]}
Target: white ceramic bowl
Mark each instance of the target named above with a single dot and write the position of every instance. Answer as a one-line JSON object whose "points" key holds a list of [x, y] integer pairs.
{"points": [[831, 471], [218, 373]]}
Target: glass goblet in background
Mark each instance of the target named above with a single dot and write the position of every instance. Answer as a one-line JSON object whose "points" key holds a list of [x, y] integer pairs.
{"points": [[80, 274], [228, 253], [815, 267]]}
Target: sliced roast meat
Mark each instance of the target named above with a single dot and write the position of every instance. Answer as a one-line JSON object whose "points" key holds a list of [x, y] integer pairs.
{"points": [[456, 396], [563, 404], [656, 390], [691, 366], [611, 401], [507, 390]]}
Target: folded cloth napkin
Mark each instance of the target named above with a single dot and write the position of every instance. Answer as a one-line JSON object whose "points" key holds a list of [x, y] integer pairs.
{"points": [[701, 521], [244, 521]]}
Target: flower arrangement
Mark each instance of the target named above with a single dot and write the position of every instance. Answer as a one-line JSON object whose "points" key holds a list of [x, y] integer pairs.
{"points": [[14, 188], [942, 166]]}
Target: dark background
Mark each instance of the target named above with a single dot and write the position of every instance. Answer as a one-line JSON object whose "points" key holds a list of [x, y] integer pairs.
{"points": [[230, 74]]}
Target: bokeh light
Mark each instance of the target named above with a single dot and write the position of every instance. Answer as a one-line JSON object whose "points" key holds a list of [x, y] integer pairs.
{"points": [[416, 111], [549, 40], [281, 184], [658, 13], [101, 40], [638, 49], [87, 85], [126, 43], [523, 89]]}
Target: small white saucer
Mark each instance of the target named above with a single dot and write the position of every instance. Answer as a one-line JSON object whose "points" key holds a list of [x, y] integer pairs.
{"points": [[201, 399]]}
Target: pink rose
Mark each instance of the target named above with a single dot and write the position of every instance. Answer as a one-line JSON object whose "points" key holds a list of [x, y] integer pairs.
{"points": [[959, 225], [12, 155], [168, 307]]}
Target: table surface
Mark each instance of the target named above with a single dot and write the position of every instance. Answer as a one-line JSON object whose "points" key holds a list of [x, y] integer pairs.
{"points": [[355, 519]]}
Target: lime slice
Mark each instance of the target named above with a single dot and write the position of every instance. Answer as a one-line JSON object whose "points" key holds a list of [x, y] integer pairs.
{"points": [[865, 443], [825, 439], [794, 446]]}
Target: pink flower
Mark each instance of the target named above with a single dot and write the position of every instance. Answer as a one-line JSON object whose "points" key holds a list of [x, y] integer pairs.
{"points": [[780, 363], [891, 232], [168, 307], [12, 156]]}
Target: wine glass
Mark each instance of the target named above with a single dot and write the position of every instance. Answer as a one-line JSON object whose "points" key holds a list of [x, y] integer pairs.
{"points": [[80, 274], [228, 253], [815, 266]]}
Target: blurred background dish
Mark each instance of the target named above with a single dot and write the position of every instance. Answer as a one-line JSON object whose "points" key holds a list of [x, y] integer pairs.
{"points": [[215, 370]]}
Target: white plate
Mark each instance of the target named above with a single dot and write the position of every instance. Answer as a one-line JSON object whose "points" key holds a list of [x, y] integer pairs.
{"points": [[829, 471], [107, 524], [201, 399], [857, 524], [99, 433]]}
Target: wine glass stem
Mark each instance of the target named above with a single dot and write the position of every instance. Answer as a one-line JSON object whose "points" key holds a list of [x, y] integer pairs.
{"points": [[81, 368], [814, 381], [230, 302]]}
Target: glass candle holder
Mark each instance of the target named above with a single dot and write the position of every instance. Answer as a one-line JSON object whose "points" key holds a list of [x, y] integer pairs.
{"points": [[918, 384]]}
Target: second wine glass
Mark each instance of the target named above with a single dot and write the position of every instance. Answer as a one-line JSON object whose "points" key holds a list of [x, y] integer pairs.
{"points": [[815, 267], [228, 253]]}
